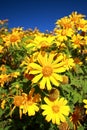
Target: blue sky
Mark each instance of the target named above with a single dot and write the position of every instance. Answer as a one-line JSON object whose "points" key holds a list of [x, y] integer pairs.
{"points": [[39, 13]]}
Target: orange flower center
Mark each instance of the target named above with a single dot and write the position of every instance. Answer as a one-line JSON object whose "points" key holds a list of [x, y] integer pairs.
{"points": [[77, 41], [18, 100], [55, 108], [47, 71], [43, 43], [67, 25], [13, 38]]}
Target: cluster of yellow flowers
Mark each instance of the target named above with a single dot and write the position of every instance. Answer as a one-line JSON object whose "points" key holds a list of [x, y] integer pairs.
{"points": [[42, 61]]}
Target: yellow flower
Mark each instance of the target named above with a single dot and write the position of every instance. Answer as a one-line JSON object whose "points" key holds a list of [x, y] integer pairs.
{"points": [[85, 106], [64, 23], [82, 25], [75, 17], [27, 103], [69, 63], [13, 38], [30, 105], [77, 41], [41, 41], [62, 34], [47, 70], [56, 110]]}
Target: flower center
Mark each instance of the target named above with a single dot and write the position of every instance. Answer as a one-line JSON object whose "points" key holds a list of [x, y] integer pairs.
{"points": [[77, 41], [13, 38], [18, 100], [43, 44], [47, 71], [55, 108]]}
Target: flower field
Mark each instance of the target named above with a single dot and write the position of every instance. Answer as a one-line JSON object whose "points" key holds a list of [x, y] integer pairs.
{"points": [[43, 76]]}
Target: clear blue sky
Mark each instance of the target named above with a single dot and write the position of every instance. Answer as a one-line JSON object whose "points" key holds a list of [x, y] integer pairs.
{"points": [[39, 13]]}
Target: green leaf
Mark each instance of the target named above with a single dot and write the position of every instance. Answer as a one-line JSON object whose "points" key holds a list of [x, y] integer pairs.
{"points": [[81, 127]]}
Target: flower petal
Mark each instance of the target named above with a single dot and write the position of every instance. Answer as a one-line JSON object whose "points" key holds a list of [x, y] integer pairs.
{"points": [[49, 86], [57, 77], [54, 81], [37, 78], [34, 72], [60, 70], [42, 83], [35, 66]]}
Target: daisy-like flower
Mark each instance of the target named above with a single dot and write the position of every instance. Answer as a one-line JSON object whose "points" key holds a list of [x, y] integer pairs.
{"points": [[62, 34], [55, 110], [64, 23], [30, 106], [47, 70], [27, 103], [41, 42], [14, 37], [77, 41], [82, 25], [85, 106], [75, 17], [69, 62]]}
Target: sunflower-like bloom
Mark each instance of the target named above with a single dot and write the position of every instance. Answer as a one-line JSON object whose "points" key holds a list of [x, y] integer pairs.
{"points": [[63, 33], [64, 23], [47, 70], [75, 17], [85, 106], [27, 103], [30, 106], [41, 42], [56, 110], [77, 41], [14, 37], [82, 25], [69, 62]]}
